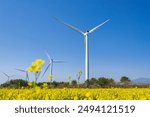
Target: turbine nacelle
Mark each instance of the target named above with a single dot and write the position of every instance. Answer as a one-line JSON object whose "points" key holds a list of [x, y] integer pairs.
{"points": [[51, 61], [8, 76], [86, 33], [50, 65]]}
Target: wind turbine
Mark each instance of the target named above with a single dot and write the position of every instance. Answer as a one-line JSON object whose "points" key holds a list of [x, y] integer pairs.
{"points": [[8, 76], [50, 65], [86, 41], [24, 71]]}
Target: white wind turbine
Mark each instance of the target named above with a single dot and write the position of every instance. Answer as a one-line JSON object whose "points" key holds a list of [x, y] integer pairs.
{"points": [[86, 39], [51, 63], [24, 71], [8, 76]]}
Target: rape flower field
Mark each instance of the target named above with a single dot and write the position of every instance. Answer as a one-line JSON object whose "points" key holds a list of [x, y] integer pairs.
{"points": [[75, 94]]}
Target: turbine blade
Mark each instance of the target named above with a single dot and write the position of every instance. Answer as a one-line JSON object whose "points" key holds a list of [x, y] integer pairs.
{"points": [[46, 70], [48, 56], [20, 70], [5, 74], [57, 61], [95, 28], [68, 25]]}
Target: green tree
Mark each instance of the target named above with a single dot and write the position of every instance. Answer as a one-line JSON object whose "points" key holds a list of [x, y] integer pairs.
{"points": [[74, 82], [93, 81], [55, 84], [125, 80], [105, 82], [17, 83]]}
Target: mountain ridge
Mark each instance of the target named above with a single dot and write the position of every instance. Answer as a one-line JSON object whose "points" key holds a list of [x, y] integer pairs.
{"points": [[141, 80]]}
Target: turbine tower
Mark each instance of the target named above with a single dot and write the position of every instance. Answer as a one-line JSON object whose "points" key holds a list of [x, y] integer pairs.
{"points": [[24, 71], [86, 40], [50, 65]]}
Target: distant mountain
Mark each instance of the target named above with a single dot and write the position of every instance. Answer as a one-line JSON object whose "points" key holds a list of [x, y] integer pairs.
{"points": [[141, 81]]}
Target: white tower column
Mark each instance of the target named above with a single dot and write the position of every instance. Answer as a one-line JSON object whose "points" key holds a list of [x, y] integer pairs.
{"points": [[86, 58]]}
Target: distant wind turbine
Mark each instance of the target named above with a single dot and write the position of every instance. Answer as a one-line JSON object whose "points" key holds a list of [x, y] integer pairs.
{"points": [[8, 76], [85, 34], [50, 65], [24, 71]]}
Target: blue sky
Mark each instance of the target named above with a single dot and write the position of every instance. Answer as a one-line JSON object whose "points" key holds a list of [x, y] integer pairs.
{"points": [[120, 47]]}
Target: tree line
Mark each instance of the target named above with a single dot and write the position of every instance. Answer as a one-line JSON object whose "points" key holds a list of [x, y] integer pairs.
{"points": [[101, 82]]}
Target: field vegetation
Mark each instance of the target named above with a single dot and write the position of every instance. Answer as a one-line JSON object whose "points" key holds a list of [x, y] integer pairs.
{"points": [[93, 89]]}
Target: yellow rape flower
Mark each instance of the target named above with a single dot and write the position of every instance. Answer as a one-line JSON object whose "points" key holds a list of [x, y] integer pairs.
{"points": [[50, 77], [34, 64], [39, 62], [36, 67], [30, 69]]}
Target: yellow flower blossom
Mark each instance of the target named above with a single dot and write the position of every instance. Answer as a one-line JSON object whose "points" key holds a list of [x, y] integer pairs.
{"points": [[43, 93], [50, 77], [30, 69], [36, 66], [39, 62]]}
